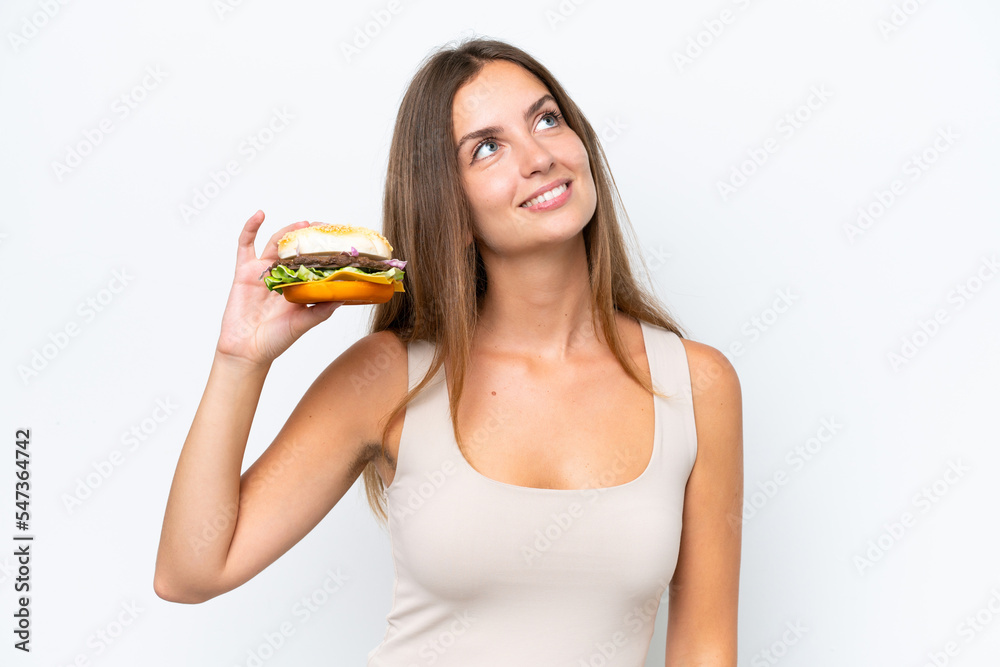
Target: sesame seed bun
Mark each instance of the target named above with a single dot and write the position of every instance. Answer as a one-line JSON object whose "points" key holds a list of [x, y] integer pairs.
{"points": [[334, 239]]}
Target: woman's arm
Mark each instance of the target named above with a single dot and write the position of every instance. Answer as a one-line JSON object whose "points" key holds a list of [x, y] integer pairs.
{"points": [[203, 504], [220, 529], [704, 593]]}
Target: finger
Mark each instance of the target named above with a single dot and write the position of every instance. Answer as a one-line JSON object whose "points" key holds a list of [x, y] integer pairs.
{"points": [[312, 315], [321, 311], [271, 249], [245, 249]]}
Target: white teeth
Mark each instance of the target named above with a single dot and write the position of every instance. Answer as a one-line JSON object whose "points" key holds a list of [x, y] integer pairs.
{"points": [[546, 196]]}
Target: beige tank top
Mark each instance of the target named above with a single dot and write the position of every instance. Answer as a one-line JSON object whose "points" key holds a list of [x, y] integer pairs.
{"points": [[489, 573]]}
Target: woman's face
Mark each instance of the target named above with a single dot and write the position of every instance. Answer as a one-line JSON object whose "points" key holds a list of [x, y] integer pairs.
{"points": [[514, 146]]}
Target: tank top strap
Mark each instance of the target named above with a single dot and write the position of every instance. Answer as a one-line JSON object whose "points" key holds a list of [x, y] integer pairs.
{"points": [[419, 354], [423, 444], [671, 375]]}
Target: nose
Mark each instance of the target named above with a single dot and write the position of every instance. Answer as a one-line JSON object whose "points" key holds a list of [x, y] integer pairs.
{"points": [[535, 157]]}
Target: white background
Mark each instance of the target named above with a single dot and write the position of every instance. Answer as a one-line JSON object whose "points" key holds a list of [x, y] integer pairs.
{"points": [[673, 131]]}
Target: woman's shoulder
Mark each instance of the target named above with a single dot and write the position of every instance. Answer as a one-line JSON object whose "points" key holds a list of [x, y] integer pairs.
{"points": [[374, 367], [386, 341], [710, 369], [717, 398], [701, 357]]}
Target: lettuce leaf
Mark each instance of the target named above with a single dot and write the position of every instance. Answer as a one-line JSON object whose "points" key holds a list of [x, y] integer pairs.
{"points": [[281, 275]]}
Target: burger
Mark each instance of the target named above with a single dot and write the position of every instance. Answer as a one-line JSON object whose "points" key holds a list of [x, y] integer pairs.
{"points": [[335, 263]]}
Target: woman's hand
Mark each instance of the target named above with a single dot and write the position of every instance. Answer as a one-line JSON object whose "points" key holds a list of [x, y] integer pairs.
{"points": [[258, 324]]}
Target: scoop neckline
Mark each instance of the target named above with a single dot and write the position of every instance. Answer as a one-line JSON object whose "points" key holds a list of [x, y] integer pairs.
{"points": [[645, 472]]}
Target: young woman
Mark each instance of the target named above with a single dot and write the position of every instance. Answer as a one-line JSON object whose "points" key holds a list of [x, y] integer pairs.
{"points": [[549, 452]]}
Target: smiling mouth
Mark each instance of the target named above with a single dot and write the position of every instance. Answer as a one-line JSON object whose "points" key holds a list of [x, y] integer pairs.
{"points": [[546, 196]]}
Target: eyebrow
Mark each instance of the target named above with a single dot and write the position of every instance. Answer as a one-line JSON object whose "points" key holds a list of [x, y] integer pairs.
{"points": [[493, 129]]}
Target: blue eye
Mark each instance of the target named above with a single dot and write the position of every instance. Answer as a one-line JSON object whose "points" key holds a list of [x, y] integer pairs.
{"points": [[477, 155], [551, 115], [482, 151]]}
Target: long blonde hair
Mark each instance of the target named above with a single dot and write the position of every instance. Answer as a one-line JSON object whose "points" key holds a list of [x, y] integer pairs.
{"points": [[428, 218]]}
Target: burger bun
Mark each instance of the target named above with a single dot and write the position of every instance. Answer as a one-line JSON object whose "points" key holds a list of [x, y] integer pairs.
{"points": [[334, 239]]}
